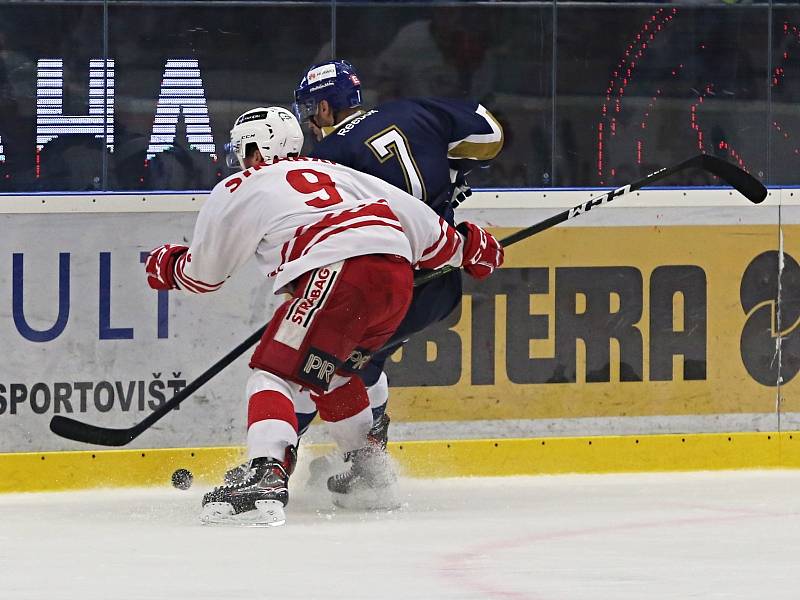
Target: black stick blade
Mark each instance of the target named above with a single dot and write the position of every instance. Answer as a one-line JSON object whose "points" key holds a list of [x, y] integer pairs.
{"points": [[89, 434], [747, 185]]}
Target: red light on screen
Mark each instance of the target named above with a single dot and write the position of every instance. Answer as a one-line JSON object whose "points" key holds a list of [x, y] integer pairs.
{"points": [[779, 73], [627, 64]]}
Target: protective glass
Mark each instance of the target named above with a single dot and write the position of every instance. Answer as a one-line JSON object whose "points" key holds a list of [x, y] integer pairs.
{"points": [[233, 154]]}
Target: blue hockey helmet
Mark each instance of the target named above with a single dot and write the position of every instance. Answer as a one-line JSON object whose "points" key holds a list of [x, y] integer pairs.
{"points": [[335, 81]]}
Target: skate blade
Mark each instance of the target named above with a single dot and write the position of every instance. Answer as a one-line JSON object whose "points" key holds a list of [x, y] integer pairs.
{"points": [[268, 513], [368, 499]]}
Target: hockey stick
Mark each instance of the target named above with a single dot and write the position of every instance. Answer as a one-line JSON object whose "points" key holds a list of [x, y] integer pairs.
{"points": [[107, 436], [78, 431], [750, 187]]}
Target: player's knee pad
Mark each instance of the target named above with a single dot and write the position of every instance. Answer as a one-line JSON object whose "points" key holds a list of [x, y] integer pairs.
{"points": [[342, 402]]}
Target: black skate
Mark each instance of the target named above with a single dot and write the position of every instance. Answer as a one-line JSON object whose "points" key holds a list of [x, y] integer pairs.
{"points": [[370, 483], [237, 474], [257, 499]]}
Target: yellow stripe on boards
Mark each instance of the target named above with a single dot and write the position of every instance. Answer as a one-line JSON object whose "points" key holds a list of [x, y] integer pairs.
{"points": [[53, 471], [602, 454]]}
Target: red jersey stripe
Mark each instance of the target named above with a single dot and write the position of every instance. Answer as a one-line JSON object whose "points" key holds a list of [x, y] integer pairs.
{"points": [[374, 214], [193, 285]]}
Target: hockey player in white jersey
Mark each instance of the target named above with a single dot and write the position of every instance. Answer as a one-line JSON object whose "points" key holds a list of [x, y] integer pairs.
{"points": [[344, 245]]}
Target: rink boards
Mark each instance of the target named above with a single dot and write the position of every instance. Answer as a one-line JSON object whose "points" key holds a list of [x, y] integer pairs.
{"points": [[652, 316], [71, 470]]}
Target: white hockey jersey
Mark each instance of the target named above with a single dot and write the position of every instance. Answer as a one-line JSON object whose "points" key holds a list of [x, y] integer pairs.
{"points": [[299, 214]]}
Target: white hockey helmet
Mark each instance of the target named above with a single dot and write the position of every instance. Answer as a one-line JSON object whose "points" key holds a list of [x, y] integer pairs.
{"points": [[274, 130]]}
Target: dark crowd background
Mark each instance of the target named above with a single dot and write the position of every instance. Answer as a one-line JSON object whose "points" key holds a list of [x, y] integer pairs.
{"points": [[589, 93]]}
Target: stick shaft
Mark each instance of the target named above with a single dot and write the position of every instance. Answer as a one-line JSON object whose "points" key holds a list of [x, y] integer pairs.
{"points": [[746, 184], [570, 213], [107, 436]]}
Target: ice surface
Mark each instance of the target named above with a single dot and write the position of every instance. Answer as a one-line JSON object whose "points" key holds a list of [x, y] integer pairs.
{"points": [[615, 537]]}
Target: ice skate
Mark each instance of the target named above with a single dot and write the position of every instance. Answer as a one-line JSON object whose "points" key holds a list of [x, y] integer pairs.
{"points": [[321, 468], [370, 483], [237, 474], [258, 499]]}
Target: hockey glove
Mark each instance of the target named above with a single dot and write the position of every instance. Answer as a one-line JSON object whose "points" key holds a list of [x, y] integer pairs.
{"points": [[459, 186], [160, 266], [482, 252], [461, 191]]}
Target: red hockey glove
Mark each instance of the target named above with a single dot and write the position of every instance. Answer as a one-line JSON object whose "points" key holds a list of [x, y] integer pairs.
{"points": [[482, 252], [160, 266]]}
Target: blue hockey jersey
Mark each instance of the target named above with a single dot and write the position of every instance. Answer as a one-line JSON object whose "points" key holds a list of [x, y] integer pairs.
{"points": [[410, 143]]}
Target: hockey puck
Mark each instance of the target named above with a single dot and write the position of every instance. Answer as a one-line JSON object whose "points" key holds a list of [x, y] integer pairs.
{"points": [[182, 479]]}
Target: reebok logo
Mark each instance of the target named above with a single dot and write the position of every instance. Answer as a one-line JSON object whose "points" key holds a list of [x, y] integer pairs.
{"points": [[350, 124]]}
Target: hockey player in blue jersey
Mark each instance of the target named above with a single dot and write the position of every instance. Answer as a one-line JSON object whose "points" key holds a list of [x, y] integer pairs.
{"points": [[423, 146]]}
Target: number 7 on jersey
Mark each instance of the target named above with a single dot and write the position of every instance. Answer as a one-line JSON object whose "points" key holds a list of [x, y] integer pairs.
{"points": [[392, 143]]}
